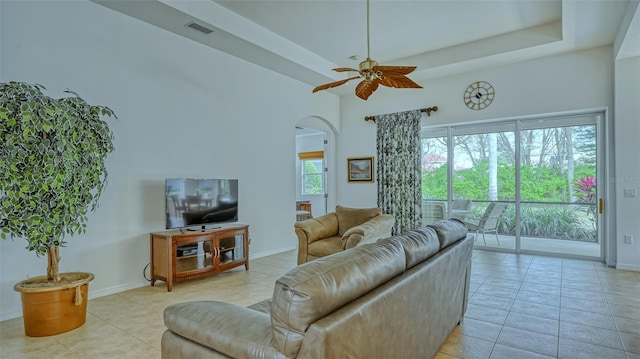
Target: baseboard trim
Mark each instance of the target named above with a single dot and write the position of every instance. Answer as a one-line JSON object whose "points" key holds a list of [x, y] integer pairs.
{"points": [[269, 252], [128, 286], [93, 294], [12, 315], [631, 267], [115, 289]]}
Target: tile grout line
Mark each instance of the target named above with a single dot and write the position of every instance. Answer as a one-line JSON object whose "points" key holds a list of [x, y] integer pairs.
{"points": [[560, 309], [606, 298], [509, 310], [608, 305]]}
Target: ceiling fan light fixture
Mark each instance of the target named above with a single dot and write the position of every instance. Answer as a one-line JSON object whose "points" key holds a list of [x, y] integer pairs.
{"points": [[368, 65], [373, 74]]}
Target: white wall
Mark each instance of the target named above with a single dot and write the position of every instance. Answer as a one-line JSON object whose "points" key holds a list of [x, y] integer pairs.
{"points": [[569, 82], [184, 110], [627, 177]]}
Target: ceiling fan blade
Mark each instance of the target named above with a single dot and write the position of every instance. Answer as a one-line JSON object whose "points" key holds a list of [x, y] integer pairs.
{"points": [[334, 84], [345, 69], [366, 88], [397, 81], [398, 70]]}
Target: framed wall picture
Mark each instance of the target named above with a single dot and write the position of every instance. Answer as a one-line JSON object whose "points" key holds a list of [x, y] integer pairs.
{"points": [[360, 169]]}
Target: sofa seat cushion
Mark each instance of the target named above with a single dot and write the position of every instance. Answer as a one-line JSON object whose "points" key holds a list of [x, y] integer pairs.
{"points": [[317, 288], [449, 231], [325, 247], [351, 217], [262, 306], [418, 244]]}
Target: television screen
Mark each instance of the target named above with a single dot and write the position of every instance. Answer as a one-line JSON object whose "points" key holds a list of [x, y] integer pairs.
{"points": [[199, 202]]}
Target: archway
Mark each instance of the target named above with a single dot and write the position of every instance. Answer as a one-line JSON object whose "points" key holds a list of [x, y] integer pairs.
{"points": [[316, 135]]}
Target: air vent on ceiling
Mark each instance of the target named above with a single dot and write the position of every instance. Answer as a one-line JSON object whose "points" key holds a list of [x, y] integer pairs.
{"points": [[198, 27]]}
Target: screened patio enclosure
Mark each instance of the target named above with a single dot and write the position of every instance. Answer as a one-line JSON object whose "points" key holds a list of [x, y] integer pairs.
{"points": [[525, 185]]}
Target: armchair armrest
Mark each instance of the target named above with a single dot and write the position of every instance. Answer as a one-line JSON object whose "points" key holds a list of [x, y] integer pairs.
{"points": [[318, 228], [229, 329], [376, 228], [312, 230]]}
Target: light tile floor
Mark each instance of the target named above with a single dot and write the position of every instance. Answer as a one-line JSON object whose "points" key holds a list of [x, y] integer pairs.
{"points": [[521, 306], [539, 244], [524, 306]]}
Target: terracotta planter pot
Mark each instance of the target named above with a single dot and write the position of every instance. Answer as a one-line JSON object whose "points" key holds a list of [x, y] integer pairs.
{"points": [[49, 309]]}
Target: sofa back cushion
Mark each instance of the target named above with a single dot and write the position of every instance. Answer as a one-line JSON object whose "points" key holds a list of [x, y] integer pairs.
{"points": [[314, 289], [351, 217], [418, 244], [449, 231]]}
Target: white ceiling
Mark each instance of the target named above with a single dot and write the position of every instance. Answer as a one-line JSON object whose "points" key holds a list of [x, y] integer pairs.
{"points": [[336, 30], [305, 39]]}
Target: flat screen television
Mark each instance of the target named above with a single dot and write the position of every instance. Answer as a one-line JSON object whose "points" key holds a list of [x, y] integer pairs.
{"points": [[200, 202]]}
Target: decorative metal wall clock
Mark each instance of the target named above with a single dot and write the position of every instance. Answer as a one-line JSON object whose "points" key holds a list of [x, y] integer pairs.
{"points": [[479, 95]]}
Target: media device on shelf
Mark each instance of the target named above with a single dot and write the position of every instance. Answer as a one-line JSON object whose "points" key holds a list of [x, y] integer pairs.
{"points": [[200, 202]]}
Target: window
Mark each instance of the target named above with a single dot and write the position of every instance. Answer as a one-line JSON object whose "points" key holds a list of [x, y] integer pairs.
{"points": [[312, 164], [312, 177]]}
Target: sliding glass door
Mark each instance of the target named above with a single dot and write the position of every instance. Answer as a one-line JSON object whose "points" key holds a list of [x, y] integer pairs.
{"points": [[558, 175], [522, 185]]}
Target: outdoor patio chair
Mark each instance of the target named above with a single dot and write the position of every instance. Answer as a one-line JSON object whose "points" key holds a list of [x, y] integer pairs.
{"points": [[489, 221], [432, 212], [460, 208]]}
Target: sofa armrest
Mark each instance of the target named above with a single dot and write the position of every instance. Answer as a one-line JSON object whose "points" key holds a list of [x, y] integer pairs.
{"points": [[232, 330], [376, 228]]}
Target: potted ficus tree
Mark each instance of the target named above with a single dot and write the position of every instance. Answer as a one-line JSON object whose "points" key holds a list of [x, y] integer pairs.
{"points": [[52, 172]]}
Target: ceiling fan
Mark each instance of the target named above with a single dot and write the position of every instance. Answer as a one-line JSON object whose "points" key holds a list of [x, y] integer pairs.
{"points": [[374, 75]]}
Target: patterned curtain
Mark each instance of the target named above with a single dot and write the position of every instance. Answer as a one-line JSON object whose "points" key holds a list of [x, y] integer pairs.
{"points": [[398, 169]]}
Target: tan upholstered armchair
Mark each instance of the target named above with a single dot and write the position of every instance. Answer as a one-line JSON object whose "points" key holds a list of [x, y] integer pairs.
{"points": [[343, 229]]}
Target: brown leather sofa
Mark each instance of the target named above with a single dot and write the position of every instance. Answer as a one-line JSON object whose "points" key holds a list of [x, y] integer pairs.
{"points": [[397, 298], [340, 230]]}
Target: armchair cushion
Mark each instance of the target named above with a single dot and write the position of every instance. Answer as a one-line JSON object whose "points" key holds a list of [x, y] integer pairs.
{"points": [[351, 217], [326, 246]]}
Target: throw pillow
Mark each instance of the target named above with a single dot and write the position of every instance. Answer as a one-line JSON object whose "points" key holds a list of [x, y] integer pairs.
{"points": [[351, 217]]}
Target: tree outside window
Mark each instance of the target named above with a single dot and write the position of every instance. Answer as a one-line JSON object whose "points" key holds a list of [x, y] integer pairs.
{"points": [[312, 176]]}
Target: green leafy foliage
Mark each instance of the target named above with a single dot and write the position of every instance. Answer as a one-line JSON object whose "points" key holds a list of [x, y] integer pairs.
{"points": [[554, 221], [538, 184], [545, 221], [52, 171], [312, 177]]}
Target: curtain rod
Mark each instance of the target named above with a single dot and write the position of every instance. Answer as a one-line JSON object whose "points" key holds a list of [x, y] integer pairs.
{"points": [[428, 110]]}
